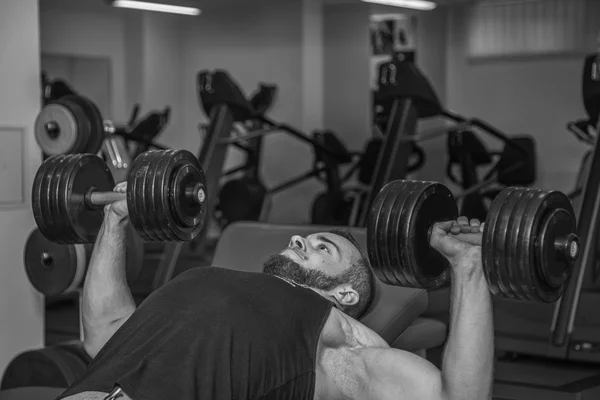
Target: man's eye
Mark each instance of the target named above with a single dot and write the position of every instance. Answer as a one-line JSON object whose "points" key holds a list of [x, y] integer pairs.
{"points": [[323, 247]]}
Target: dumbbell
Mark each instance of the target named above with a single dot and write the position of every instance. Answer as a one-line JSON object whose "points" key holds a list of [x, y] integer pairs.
{"points": [[165, 196], [529, 244], [57, 269]]}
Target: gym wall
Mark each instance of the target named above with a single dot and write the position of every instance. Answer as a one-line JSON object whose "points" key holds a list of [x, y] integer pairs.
{"points": [[21, 307], [533, 95]]}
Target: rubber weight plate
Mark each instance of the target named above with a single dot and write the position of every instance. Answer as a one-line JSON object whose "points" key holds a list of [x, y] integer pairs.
{"points": [[58, 128], [53, 269], [136, 198], [40, 197], [183, 177], [392, 202], [488, 252], [552, 245], [396, 252], [433, 203], [520, 280], [508, 217], [156, 192], [430, 203], [376, 238], [96, 124]]}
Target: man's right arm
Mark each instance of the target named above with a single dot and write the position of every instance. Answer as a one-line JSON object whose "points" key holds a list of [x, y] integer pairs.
{"points": [[107, 301]]}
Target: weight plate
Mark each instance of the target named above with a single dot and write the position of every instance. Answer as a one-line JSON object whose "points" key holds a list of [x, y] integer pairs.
{"points": [[83, 219], [64, 232], [181, 176], [136, 200], [397, 247], [39, 195], [60, 201], [394, 196], [435, 203], [553, 242], [52, 268], [186, 208], [375, 236], [162, 221], [508, 218], [518, 269], [404, 242], [56, 130], [96, 138], [82, 120], [55, 217], [488, 245], [560, 271], [147, 197]]}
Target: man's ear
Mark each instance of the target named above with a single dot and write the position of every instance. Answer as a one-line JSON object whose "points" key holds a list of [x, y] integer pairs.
{"points": [[345, 295]]}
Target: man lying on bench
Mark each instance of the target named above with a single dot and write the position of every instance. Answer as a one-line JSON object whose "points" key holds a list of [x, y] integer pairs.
{"points": [[288, 333]]}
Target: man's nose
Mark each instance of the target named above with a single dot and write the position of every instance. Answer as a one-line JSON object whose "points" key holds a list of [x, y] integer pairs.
{"points": [[298, 241]]}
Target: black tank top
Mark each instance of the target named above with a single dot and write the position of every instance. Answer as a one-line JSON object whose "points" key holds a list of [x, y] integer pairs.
{"points": [[214, 333]]}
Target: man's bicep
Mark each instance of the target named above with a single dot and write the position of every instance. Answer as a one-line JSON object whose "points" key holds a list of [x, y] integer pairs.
{"points": [[397, 374]]}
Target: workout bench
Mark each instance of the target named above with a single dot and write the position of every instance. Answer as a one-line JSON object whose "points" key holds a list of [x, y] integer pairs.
{"points": [[395, 313]]}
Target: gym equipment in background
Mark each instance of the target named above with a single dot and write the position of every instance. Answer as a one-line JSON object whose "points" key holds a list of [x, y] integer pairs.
{"points": [[467, 152], [56, 366], [59, 269], [407, 96], [70, 123]]}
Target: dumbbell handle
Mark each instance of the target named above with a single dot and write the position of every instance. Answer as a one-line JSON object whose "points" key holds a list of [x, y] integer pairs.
{"points": [[104, 198], [94, 198]]}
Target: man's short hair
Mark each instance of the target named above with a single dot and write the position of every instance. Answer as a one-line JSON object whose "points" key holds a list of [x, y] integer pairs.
{"points": [[360, 275]]}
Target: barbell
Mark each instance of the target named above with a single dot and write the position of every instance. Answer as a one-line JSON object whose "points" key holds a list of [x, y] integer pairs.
{"points": [[529, 243], [165, 196]]}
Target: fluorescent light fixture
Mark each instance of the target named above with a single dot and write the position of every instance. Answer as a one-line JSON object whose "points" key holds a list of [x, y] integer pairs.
{"points": [[423, 5], [147, 6]]}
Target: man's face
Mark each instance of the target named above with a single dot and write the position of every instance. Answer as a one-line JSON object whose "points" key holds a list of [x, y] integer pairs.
{"points": [[318, 261]]}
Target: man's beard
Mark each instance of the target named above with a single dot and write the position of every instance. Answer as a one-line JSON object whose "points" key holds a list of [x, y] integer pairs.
{"points": [[284, 267]]}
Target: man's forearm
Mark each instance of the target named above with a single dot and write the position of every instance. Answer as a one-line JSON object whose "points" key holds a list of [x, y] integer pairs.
{"points": [[467, 368], [106, 294]]}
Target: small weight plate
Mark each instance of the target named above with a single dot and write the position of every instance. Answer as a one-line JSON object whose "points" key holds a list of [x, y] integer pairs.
{"points": [[504, 248], [147, 198], [136, 199], [397, 247], [39, 196], [58, 217], [51, 268], [94, 143], [375, 236], [159, 190], [63, 137], [83, 122], [488, 246], [518, 262], [392, 203], [411, 191]]}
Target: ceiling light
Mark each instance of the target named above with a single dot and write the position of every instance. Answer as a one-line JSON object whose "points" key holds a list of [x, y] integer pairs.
{"points": [[414, 4], [147, 6]]}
